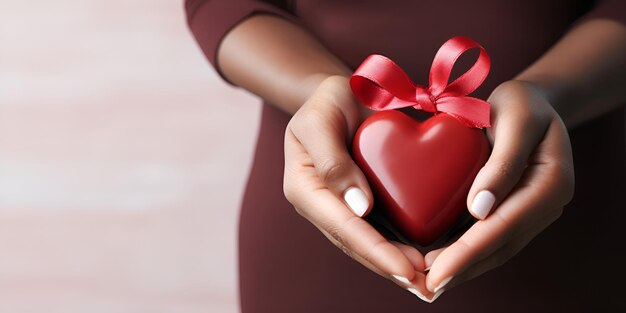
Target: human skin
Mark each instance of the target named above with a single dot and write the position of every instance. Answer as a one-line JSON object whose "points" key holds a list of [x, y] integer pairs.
{"points": [[527, 180]]}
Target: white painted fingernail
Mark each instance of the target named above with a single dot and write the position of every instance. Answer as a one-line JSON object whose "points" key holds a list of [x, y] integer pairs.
{"points": [[356, 200], [437, 294], [401, 279], [483, 203], [418, 294], [442, 284]]}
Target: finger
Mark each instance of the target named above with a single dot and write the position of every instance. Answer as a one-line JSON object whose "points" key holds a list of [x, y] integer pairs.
{"points": [[482, 239], [354, 256], [488, 236], [431, 256], [323, 126], [359, 238], [321, 207], [411, 253], [552, 160], [506, 252], [545, 188], [417, 285], [414, 256], [418, 288], [516, 132]]}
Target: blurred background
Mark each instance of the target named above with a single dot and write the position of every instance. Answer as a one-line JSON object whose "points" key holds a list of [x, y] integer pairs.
{"points": [[122, 161]]}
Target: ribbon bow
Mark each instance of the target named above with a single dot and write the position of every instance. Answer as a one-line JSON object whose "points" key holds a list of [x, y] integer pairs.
{"points": [[380, 84]]}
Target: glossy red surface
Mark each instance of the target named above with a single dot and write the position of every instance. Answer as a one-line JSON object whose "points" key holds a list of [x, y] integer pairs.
{"points": [[420, 172]]}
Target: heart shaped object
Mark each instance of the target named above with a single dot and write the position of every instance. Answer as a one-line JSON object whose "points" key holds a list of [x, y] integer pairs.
{"points": [[420, 172]]}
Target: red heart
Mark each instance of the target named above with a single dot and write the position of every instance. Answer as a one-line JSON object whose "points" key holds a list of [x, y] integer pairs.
{"points": [[420, 173]]}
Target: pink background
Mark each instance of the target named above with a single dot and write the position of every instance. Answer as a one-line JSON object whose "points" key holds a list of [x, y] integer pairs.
{"points": [[122, 161]]}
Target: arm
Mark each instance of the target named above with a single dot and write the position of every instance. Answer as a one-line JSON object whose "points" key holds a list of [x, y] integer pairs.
{"points": [[584, 74], [276, 60], [285, 65]]}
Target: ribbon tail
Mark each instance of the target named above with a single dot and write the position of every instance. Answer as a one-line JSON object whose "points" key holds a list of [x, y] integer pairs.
{"points": [[470, 111]]}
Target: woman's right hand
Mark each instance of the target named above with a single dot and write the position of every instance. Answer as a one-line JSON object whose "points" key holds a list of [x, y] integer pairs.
{"points": [[327, 188]]}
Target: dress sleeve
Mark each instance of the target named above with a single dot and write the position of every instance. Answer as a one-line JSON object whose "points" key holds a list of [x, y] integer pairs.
{"points": [[210, 20], [607, 9]]}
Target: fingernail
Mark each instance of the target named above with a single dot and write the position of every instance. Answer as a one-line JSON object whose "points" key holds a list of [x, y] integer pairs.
{"points": [[427, 269], [418, 294], [356, 200], [402, 279], [483, 203], [442, 284], [437, 294]]}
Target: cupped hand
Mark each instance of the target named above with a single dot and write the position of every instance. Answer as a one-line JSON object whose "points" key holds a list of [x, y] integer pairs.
{"points": [[522, 189], [327, 188]]}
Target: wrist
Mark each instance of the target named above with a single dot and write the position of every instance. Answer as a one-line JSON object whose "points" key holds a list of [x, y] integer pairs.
{"points": [[525, 100], [546, 92], [338, 88], [343, 81], [554, 93]]}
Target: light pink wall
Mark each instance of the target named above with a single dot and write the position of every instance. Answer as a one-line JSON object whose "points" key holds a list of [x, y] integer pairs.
{"points": [[122, 161]]}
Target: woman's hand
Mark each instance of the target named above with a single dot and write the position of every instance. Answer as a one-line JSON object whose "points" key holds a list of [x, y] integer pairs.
{"points": [[522, 189], [327, 188]]}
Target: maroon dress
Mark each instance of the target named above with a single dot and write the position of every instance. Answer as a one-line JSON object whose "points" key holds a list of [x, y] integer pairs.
{"points": [[286, 265]]}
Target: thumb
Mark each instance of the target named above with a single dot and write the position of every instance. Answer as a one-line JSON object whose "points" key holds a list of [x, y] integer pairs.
{"points": [[515, 134], [324, 125], [494, 181]]}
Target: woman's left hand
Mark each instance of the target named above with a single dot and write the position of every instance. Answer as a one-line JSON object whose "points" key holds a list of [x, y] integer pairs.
{"points": [[522, 189]]}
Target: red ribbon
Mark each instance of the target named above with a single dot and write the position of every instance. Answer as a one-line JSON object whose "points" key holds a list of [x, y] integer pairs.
{"points": [[380, 84]]}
